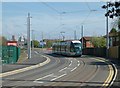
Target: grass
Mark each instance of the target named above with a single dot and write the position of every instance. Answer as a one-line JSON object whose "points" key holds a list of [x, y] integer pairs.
{"points": [[23, 56]]}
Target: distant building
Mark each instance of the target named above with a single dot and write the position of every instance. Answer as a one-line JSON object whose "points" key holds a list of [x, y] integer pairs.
{"points": [[13, 38], [22, 42], [48, 42], [87, 42]]}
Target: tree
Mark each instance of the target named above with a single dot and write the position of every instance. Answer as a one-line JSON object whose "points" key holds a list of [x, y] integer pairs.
{"points": [[3, 40], [98, 41], [36, 43], [113, 30]]}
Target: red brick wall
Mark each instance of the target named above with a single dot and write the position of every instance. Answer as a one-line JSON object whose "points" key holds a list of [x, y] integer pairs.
{"points": [[89, 44]]}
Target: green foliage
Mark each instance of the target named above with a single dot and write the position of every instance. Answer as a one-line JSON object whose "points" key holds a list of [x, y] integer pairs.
{"points": [[98, 41], [119, 23], [113, 30], [49, 44], [36, 43]]}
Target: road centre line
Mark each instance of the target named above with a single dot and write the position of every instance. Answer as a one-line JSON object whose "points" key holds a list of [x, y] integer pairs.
{"points": [[58, 77], [26, 68]]}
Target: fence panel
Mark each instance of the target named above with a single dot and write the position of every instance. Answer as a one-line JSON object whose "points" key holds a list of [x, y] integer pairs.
{"points": [[95, 51], [10, 54]]}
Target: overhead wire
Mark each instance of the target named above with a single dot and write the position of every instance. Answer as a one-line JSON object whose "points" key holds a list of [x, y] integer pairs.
{"points": [[51, 7]]}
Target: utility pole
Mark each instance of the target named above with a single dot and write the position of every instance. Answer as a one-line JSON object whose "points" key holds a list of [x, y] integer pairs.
{"points": [[28, 36], [82, 36]]}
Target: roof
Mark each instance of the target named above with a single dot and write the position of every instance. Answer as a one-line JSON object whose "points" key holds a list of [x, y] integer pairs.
{"points": [[113, 34], [87, 38]]}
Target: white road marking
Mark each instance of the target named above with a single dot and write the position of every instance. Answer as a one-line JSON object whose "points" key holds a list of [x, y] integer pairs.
{"points": [[74, 69], [38, 80], [58, 77], [54, 77], [78, 64], [36, 52], [62, 69], [70, 63], [44, 77]]}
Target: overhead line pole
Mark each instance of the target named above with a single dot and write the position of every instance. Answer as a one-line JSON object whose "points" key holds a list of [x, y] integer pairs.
{"points": [[107, 32], [28, 37]]}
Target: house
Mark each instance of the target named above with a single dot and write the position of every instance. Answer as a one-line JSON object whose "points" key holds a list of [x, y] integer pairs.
{"points": [[114, 39], [87, 42]]}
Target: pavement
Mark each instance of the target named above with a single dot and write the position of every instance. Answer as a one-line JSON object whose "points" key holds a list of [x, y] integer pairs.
{"points": [[35, 59]]}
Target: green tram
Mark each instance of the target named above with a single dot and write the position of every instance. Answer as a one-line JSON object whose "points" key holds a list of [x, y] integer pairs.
{"points": [[68, 48]]}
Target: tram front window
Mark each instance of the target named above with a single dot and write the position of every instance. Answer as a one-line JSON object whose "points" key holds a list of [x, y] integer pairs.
{"points": [[77, 44]]}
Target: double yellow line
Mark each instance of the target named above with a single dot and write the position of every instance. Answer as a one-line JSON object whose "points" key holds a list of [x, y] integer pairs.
{"points": [[110, 78]]}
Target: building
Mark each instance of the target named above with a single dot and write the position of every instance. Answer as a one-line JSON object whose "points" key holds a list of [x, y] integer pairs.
{"points": [[114, 39], [114, 44], [22, 42], [87, 42]]}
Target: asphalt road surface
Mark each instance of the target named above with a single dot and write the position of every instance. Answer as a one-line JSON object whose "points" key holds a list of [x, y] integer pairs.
{"points": [[82, 71]]}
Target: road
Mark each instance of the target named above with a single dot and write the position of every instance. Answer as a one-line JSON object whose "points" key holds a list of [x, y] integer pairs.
{"points": [[83, 71]]}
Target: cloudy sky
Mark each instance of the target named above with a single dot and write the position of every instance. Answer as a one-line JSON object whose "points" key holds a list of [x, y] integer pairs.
{"points": [[51, 18]]}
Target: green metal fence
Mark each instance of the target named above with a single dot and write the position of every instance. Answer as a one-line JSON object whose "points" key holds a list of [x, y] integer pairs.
{"points": [[9, 54]]}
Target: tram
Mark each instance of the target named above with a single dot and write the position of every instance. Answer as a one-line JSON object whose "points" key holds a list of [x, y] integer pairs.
{"points": [[68, 48]]}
